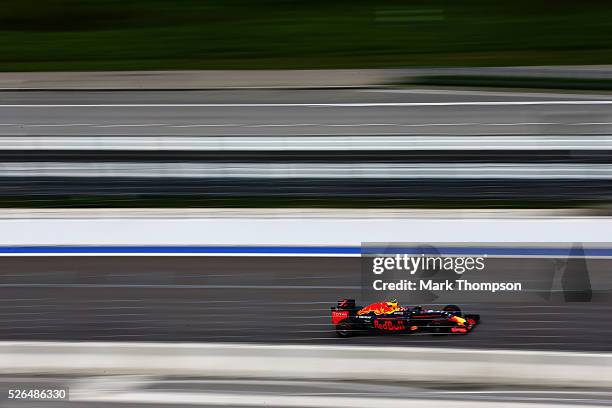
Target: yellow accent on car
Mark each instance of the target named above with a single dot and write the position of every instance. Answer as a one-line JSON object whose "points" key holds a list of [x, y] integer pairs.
{"points": [[459, 320]]}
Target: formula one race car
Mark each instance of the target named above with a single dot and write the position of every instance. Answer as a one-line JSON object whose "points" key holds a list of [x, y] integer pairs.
{"points": [[390, 317]]}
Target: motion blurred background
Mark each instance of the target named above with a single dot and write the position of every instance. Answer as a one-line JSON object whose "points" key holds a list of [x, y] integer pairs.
{"points": [[425, 70], [363, 120], [40, 35], [387, 53]]}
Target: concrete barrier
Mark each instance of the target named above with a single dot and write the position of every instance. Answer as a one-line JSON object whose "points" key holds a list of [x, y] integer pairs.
{"points": [[294, 227], [493, 367]]}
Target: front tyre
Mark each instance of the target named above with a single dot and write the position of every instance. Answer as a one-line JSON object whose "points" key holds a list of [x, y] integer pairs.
{"points": [[437, 327], [453, 309]]}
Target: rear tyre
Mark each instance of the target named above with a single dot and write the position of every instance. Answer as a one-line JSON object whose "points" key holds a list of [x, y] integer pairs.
{"points": [[344, 329]]}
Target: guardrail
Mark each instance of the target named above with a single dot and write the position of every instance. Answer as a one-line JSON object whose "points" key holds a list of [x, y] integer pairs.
{"points": [[534, 368]]}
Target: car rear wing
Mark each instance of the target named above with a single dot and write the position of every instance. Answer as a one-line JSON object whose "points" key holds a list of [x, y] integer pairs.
{"points": [[346, 304], [346, 308]]}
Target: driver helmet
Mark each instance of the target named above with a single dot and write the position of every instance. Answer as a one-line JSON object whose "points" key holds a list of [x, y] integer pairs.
{"points": [[393, 303]]}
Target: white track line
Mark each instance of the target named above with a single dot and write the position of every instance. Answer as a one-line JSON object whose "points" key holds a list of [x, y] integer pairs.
{"points": [[50, 124], [132, 125], [208, 125], [316, 105], [110, 125]]}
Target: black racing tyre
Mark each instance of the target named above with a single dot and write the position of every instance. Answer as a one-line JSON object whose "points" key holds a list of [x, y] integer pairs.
{"points": [[437, 327], [344, 329], [454, 309]]}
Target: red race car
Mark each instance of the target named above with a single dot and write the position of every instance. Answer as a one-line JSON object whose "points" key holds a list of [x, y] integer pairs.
{"points": [[391, 317]]}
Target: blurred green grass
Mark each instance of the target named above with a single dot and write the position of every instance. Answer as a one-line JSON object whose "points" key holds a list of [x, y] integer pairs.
{"points": [[253, 34]]}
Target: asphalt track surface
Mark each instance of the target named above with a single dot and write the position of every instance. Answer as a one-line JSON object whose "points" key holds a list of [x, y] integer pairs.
{"points": [[246, 299], [302, 112]]}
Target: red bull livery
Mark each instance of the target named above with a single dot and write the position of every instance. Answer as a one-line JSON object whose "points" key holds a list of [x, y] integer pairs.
{"points": [[391, 317]]}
